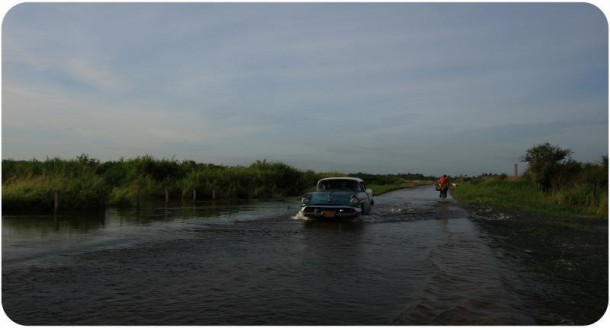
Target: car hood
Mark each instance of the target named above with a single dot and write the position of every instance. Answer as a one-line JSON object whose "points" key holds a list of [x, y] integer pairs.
{"points": [[331, 197]]}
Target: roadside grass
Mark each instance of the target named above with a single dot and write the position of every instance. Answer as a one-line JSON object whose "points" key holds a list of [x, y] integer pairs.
{"points": [[85, 182], [87, 191], [521, 195], [382, 189]]}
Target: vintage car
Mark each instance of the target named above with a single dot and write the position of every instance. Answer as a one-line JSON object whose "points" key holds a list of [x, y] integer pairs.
{"points": [[338, 197]]}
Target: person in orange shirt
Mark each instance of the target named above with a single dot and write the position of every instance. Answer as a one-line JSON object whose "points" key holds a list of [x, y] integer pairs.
{"points": [[442, 185]]}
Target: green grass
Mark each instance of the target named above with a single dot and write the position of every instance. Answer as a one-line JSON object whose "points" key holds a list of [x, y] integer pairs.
{"points": [[385, 188], [382, 189], [520, 195], [85, 182]]}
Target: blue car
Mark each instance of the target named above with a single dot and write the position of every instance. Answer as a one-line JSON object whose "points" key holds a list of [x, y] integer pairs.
{"points": [[336, 198]]}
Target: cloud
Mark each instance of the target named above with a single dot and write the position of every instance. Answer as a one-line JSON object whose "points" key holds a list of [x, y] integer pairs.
{"points": [[334, 85]]}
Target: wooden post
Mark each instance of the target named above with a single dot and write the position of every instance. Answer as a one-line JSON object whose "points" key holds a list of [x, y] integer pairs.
{"points": [[213, 194], [516, 172], [56, 202], [166, 196], [194, 195]]}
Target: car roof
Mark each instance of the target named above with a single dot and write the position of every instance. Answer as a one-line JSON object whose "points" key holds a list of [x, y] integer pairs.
{"points": [[342, 178]]}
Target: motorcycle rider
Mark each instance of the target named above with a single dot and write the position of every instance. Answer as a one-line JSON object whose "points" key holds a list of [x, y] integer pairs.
{"points": [[442, 185]]}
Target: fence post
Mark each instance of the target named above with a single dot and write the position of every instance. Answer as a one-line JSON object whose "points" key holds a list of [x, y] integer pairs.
{"points": [[194, 195], [56, 201], [166, 196]]}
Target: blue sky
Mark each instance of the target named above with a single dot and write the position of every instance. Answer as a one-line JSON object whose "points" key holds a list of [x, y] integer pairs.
{"points": [[351, 87]]}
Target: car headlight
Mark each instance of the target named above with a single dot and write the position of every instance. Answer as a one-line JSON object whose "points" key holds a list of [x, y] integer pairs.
{"points": [[306, 199], [354, 201]]}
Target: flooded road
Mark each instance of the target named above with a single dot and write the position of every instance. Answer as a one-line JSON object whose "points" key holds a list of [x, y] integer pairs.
{"points": [[412, 261]]}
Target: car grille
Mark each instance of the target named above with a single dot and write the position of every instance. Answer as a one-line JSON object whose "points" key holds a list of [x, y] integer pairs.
{"points": [[320, 210]]}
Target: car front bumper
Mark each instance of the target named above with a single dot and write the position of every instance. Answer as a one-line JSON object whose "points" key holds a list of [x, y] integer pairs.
{"points": [[330, 212]]}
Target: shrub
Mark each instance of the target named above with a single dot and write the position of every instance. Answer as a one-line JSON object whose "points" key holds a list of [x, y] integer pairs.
{"points": [[544, 163]]}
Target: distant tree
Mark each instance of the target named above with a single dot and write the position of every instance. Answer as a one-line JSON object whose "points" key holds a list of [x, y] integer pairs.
{"points": [[545, 162]]}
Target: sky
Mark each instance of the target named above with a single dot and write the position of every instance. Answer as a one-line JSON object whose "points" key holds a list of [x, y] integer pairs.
{"points": [[431, 88]]}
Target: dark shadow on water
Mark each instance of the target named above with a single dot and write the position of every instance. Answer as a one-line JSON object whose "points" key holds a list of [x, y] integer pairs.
{"points": [[564, 262], [69, 221], [355, 224]]}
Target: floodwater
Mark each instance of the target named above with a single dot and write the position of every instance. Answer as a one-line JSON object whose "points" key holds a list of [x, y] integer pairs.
{"points": [[413, 261]]}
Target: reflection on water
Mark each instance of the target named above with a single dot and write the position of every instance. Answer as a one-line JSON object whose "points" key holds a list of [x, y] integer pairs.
{"points": [[41, 226], [30, 237], [73, 222], [414, 260]]}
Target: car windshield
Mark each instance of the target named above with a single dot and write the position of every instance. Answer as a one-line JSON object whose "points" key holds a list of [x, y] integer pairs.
{"points": [[337, 184]]}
